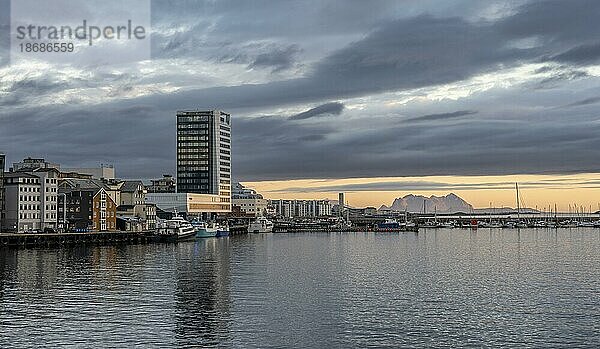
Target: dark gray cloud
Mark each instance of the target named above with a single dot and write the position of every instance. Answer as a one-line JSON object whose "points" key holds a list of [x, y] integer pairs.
{"points": [[580, 55], [333, 108], [345, 50], [430, 51], [583, 102], [277, 59], [441, 116]]}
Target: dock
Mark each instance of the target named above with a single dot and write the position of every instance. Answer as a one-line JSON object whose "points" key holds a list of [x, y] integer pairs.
{"points": [[72, 238]]}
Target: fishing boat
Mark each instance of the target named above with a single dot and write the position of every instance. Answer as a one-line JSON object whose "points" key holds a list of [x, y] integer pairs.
{"points": [[204, 229], [260, 225]]}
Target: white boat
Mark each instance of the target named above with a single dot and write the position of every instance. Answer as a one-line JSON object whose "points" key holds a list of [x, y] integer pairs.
{"points": [[260, 225], [178, 227], [205, 229]]}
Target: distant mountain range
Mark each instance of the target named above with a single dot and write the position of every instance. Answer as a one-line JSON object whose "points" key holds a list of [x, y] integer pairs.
{"points": [[450, 203]]}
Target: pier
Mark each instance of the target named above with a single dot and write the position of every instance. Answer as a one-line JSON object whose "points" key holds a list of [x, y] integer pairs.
{"points": [[99, 238]]}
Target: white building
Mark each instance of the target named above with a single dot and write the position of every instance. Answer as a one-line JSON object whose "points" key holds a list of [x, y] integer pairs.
{"points": [[248, 201], [23, 206], [102, 172], [188, 203], [301, 208]]}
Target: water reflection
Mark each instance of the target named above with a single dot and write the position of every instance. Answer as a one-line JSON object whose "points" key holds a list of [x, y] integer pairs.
{"points": [[452, 288], [203, 293]]}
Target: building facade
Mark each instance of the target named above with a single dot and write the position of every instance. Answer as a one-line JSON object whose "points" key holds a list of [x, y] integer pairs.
{"points": [[133, 209], [85, 205], [204, 154], [187, 204], [301, 208], [102, 172], [31, 164], [23, 202], [162, 185], [247, 201]]}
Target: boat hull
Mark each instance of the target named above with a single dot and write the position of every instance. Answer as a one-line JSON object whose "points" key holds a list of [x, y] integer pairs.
{"points": [[186, 235], [204, 233], [222, 233]]}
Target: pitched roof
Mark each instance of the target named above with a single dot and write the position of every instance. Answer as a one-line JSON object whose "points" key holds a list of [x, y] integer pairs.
{"points": [[73, 184], [131, 186]]}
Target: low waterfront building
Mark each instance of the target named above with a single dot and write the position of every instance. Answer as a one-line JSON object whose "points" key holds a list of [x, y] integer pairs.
{"points": [[247, 201], [85, 205], [49, 196], [167, 184], [301, 208], [133, 205], [188, 204], [22, 202]]}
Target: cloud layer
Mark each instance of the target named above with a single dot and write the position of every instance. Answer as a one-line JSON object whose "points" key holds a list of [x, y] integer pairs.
{"points": [[332, 90]]}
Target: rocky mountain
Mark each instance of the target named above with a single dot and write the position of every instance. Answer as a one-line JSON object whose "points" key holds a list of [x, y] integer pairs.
{"points": [[450, 203]]}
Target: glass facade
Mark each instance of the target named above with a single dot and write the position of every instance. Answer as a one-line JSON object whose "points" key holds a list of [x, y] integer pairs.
{"points": [[204, 153]]}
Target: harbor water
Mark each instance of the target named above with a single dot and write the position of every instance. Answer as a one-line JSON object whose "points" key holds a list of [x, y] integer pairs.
{"points": [[435, 288]]}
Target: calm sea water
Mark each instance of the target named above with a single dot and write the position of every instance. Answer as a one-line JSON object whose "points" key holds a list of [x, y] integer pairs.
{"points": [[438, 288]]}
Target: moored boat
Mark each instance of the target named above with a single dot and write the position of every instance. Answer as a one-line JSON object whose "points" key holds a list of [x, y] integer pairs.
{"points": [[205, 230], [222, 230], [260, 225], [177, 227]]}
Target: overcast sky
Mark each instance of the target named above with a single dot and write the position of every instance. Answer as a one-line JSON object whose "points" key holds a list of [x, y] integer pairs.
{"points": [[332, 89]]}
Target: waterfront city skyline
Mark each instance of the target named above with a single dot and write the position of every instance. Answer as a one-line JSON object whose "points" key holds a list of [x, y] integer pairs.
{"points": [[405, 92]]}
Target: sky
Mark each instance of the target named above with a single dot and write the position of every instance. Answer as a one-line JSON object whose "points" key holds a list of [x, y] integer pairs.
{"points": [[377, 99]]}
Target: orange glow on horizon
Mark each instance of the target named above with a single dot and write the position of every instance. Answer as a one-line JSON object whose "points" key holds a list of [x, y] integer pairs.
{"points": [[541, 191]]}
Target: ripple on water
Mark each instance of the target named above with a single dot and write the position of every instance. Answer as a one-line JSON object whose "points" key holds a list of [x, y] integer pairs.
{"points": [[457, 288]]}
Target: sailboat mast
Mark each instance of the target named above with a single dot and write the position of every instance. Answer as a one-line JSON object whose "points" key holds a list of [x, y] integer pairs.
{"points": [[518, 202]]}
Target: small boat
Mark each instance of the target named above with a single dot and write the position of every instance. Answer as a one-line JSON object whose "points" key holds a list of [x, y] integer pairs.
{"points": [[205, 230], [260, 225], [222, 230], [177, 227]]}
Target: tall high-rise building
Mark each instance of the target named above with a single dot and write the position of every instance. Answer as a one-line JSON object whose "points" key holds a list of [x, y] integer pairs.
{"points": [[204, 154], [2, 160], [341, 204]]}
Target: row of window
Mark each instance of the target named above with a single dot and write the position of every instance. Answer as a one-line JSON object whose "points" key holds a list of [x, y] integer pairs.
{"points": [[192, 174], [29, 189], [29, 216], [191, 126], [194, 162], [192, 132], [192, 118], [29, 207], [194, 187], [29, 198], [193, 144], [192, 138], [192, 150], [194, 156], [193, 181], [182, 169]]}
